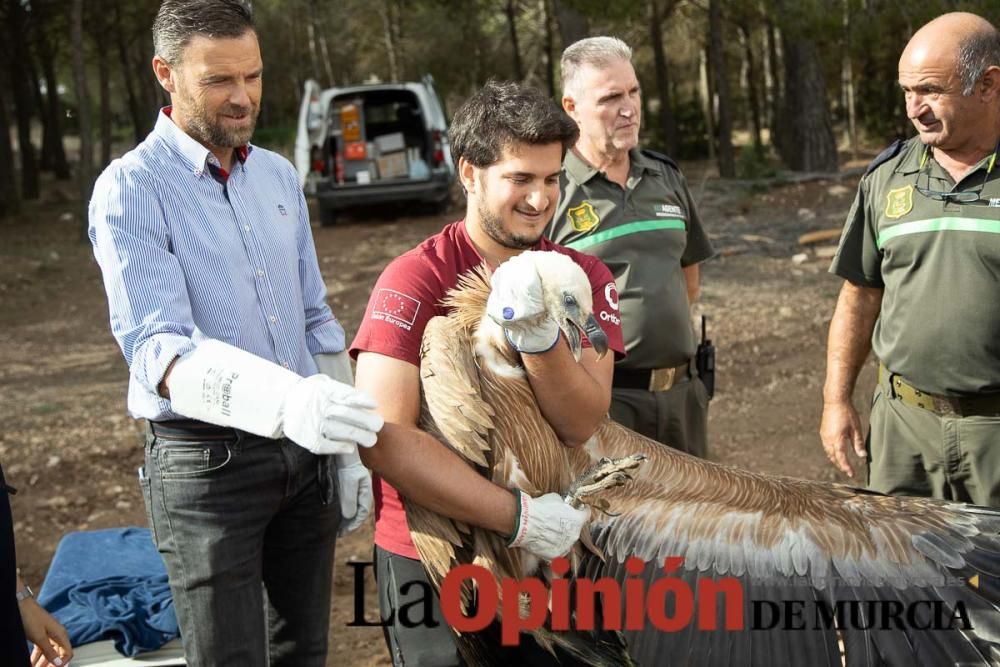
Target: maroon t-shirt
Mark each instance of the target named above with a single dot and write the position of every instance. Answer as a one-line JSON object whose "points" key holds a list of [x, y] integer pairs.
{"points": [[408, 294]]}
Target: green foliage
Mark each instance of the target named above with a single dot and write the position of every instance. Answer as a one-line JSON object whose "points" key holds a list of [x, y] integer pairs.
{"points": [[754, 164], [692, 129], [462, 43], [280, 139]]}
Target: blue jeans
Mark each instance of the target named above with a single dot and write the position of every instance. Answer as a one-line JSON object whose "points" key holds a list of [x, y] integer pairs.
{"points": [[246, 527]]}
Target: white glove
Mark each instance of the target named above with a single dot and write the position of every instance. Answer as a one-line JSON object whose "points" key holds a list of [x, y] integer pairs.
{"points": [[354, 482], [226, 386], [516, 304], [354, 486], [547, 526]]}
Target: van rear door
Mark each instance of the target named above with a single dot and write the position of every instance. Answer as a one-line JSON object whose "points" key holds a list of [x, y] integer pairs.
{"points": [[312, 128], [438, 121]]}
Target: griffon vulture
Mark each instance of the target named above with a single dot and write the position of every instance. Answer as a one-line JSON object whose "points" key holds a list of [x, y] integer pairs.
{"points": [[852, 577]]}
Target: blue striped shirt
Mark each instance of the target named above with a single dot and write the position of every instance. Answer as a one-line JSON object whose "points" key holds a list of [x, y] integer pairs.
{"points": [[185, 258]]}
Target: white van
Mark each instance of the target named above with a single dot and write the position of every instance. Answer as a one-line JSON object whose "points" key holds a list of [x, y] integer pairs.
{"points": [[373, 144]]}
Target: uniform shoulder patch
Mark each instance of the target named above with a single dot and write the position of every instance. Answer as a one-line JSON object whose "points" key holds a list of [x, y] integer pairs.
{"points": [[892, 151], [660, 157]]}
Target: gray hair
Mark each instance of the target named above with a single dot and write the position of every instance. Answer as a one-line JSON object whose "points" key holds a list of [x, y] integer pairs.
{"points": [[593, 52], [178, 21], [977, 53]]}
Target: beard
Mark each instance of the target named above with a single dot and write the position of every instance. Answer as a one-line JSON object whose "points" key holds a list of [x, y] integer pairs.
{"points": [[492, 224], [206, 128]]}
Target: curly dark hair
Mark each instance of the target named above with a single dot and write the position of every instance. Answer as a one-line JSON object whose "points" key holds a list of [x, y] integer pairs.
{"points": [[504, 113]]}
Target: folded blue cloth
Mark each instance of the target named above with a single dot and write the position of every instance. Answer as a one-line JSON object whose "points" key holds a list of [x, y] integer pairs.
{"points": [[111, 584]]}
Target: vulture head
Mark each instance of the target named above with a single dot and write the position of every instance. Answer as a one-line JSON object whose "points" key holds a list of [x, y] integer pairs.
{"points": [[565, 298]]}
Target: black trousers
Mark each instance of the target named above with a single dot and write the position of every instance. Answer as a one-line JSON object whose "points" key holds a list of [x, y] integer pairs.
{"points": [[13, 645]]}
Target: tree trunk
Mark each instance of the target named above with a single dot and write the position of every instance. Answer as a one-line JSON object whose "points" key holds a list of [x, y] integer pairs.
{"points": [[659, 11], [10, 202], [311, 41], [705, 93], [753, 94], [727, 164], [139, 126], [53, 110], [324, 51], [808, 143], [511, 12], [104, 77], [573, 26], [389, 37], [23, 107], [847, 81], [46, 160], [771, 71], [547, 46], [86, 170]]}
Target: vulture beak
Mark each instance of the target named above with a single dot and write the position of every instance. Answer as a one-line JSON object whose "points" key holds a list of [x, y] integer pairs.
{"points": [[591, 329], [595, 334]]}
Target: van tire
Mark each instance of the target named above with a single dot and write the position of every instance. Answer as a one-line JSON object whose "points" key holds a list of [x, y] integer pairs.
{"points": [[327, 216]]}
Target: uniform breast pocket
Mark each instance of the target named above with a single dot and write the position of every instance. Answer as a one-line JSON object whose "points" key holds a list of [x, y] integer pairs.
{"points": [[176, 459]]}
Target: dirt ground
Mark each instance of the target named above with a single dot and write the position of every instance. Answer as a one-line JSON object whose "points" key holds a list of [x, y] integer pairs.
{"points": [[71, 450]]}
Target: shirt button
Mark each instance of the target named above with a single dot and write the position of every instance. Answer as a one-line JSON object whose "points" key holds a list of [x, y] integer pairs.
{"points": [[285, 364], [273, 319], [260, 272], [246, 228]]}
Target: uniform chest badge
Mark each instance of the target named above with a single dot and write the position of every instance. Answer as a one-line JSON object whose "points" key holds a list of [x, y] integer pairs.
{"points": [[583, 217], [899, 202]]}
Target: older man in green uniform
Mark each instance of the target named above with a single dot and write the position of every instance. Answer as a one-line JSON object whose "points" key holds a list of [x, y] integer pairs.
{"points": [[920, 256], [632, 209]]}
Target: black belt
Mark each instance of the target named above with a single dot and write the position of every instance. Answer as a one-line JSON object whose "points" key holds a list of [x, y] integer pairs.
{"points": [[192, 429], [642, 379]]}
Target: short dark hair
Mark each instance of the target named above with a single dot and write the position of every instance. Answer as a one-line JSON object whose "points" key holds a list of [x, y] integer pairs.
{"points": [[502, 114], [976, 54], [178, 21]]}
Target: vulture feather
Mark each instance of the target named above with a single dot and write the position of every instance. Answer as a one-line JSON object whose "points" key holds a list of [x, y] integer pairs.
{"points": [[794, 546]]}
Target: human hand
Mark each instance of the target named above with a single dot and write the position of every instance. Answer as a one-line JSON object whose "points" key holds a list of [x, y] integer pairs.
{"points": [[839, 429], [329, 417], [52, 647], [516, 303], [547, 526], [354, 486]]}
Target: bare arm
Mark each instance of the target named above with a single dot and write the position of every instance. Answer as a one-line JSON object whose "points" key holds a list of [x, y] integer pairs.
{"points": [[692, 276], [418, 465], [573, 397], [848, 346]]}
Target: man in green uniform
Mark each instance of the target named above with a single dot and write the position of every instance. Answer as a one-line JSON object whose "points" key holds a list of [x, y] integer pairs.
{"points": [[920, 256], [632, 209]]}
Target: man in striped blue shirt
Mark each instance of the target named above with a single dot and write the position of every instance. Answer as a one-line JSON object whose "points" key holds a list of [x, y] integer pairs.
{"points": [[235, 359]]}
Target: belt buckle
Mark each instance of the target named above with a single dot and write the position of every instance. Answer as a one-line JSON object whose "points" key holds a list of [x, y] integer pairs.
{"points": [[662, 379]]}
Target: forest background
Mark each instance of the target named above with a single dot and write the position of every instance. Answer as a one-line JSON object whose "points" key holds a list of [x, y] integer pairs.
{"points": [[752, 85]]}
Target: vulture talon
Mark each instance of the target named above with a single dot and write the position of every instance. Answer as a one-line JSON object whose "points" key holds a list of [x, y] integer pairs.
{"points": [[605, 474]]}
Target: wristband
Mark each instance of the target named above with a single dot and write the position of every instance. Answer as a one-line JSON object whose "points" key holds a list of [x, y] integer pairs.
{"points": [[24, 593], [520, 519]]}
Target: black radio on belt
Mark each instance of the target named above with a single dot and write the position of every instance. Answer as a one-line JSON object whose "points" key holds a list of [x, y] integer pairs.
{"points": [[704, 361]]}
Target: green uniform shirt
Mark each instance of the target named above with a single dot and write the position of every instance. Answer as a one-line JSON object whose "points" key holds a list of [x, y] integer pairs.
{"points": [[645, 234], [939, 265]]}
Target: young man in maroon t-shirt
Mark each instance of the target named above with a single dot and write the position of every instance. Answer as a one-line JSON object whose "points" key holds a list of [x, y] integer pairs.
{"points": [[508, 142]]}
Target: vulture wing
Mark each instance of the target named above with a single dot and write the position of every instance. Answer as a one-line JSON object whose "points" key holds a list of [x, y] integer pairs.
{"points": [[808, 571], [891, 580]]}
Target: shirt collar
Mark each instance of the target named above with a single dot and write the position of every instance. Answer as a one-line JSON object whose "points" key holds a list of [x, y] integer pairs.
{"points": [[193, 153], [582, 171], [913, 159]]}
